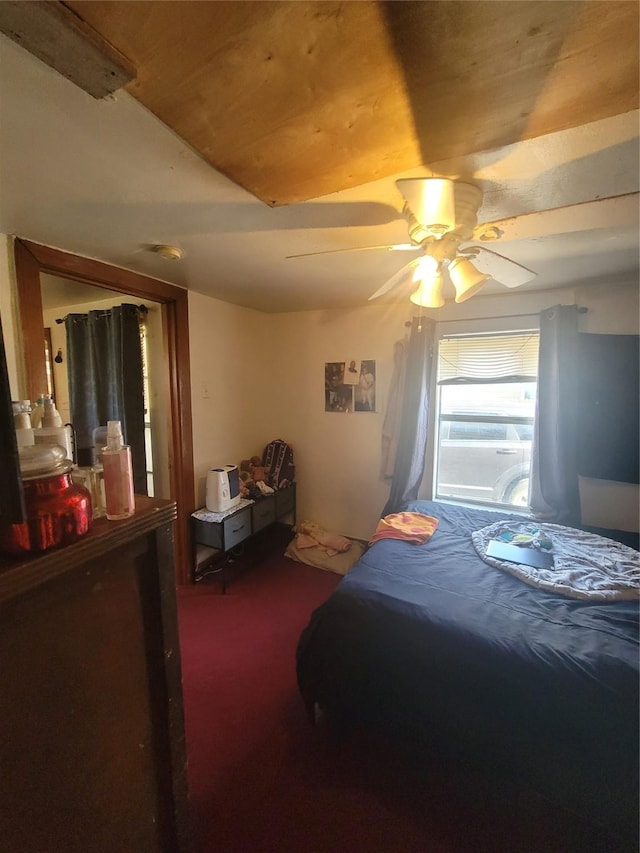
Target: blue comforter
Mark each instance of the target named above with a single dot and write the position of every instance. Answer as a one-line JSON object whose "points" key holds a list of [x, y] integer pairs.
{"points": [[429, 638]]}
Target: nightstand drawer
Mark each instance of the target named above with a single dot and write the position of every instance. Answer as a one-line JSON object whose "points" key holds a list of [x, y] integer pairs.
{"points": [[264, 512], [226, 533], [285, 501], [207, 533], [237, 528]]}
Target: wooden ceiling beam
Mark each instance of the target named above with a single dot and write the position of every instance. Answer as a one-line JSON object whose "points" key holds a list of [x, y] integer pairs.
{"points": [[295, 101], [59, 38]]}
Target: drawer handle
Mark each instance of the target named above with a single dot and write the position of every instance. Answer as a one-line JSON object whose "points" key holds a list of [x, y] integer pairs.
{"points": [[238, 529]]}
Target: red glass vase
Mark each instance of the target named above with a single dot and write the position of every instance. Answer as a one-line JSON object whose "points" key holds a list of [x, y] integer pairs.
{"points": [[59, 512]]}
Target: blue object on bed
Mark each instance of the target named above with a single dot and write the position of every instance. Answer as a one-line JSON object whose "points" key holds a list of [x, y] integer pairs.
{"points": [[429, 638]]}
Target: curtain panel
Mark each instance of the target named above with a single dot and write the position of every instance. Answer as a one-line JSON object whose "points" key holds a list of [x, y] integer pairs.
{"points": [[104, 364], [393, 416], [408, 469], [554, 463]]}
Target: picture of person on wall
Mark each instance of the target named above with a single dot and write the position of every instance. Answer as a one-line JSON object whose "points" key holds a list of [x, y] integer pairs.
{"points": [[366, 390]]}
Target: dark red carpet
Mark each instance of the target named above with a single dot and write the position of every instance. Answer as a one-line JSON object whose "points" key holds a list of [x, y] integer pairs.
{"points": [[263, 779]]}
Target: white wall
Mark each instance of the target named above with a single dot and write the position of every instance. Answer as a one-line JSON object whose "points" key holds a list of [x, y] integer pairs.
{"points": [[337, 454], [257, 377], [232, 378]]}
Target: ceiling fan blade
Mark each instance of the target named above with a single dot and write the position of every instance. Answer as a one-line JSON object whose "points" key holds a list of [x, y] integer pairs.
{"points": [[501, 269], [614, 212], [396, 247], [400, 276]]}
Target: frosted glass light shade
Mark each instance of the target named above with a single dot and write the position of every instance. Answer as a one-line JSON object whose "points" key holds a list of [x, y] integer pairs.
{"points": [[426, 267], [432, 202], [429, 292], [466, 279]]}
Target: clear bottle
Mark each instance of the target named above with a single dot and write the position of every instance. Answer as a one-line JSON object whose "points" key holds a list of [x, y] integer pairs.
{"points": [[118, 474], [91, 476]]}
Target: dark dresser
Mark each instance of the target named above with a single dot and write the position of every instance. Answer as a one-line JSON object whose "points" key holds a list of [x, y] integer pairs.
{"points": [[92, 744]]}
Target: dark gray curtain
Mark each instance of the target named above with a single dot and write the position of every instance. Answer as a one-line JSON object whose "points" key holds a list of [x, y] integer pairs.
{"points": [[554, 465], [393, 417], [412, 442], [104, 364]]}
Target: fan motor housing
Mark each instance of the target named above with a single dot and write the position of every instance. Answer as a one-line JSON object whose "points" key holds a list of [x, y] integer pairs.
{"points": [[468, 199]]}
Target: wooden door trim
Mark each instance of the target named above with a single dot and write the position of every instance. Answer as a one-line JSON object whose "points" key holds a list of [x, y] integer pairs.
{"points": [[31, 259]]}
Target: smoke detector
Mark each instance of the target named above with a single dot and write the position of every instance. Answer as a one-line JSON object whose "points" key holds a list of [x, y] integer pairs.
{"points": [[169, 253]]}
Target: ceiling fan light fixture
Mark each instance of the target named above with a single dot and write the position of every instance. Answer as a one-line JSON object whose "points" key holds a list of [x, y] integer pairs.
{"points": [[426, 268], [467, 279], [429, 292], [417, 233], [432, 202]]}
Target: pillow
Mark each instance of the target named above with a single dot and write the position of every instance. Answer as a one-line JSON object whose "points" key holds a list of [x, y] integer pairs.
{"points": [[340, 564]]}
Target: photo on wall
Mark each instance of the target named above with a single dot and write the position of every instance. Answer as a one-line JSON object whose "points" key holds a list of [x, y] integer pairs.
{"points": [[365, 390], [351, 371], [338, 395]]}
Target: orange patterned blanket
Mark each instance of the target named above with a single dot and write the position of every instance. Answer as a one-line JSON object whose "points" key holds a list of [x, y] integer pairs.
{"points": [[410, 526]]}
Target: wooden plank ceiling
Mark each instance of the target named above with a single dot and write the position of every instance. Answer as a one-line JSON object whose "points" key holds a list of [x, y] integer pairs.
{"points": [[296, 100]]}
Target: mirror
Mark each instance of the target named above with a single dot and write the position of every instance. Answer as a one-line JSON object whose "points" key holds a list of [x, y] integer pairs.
{"points": [[67, 307], [33, 261]]}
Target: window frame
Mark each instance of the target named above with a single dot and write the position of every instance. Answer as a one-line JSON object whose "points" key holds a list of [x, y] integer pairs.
{"points": [[482, 417]]}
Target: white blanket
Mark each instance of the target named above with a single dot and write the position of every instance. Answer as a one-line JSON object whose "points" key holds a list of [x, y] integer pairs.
{"points": [[586, 566]]}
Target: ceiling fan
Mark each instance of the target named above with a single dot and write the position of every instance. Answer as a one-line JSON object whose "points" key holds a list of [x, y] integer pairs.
{"points": [[442, 217]]}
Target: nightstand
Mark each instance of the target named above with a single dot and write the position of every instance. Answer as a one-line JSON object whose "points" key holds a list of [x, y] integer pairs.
{"points": [[216, 534]]}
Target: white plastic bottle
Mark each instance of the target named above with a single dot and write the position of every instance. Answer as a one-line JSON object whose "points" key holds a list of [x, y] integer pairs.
{"points": [[22, 422], [51, 416], [118, 474], [37, 412]]}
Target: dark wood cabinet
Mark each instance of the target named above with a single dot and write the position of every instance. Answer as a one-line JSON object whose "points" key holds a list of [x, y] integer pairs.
{"points": [[92, 747]]}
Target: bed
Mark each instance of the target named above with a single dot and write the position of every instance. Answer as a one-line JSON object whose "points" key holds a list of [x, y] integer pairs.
{"points": [[429, 641]]}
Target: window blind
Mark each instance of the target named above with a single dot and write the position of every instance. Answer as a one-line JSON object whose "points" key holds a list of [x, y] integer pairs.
{"points": [[488, 358]]}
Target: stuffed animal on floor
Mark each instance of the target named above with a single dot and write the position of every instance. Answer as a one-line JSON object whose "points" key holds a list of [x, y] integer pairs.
{"points": [[311, 535]]}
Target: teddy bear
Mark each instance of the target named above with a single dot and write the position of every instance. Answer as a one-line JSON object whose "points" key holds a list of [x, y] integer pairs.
{"points": [[254, 488], [246, 480], [257, 470]]}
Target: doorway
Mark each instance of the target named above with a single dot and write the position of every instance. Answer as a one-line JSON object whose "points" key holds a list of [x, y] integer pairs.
{"points": [[31, 261]]}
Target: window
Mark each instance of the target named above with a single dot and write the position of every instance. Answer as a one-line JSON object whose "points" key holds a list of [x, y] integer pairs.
{"points": [[486, 406]]}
